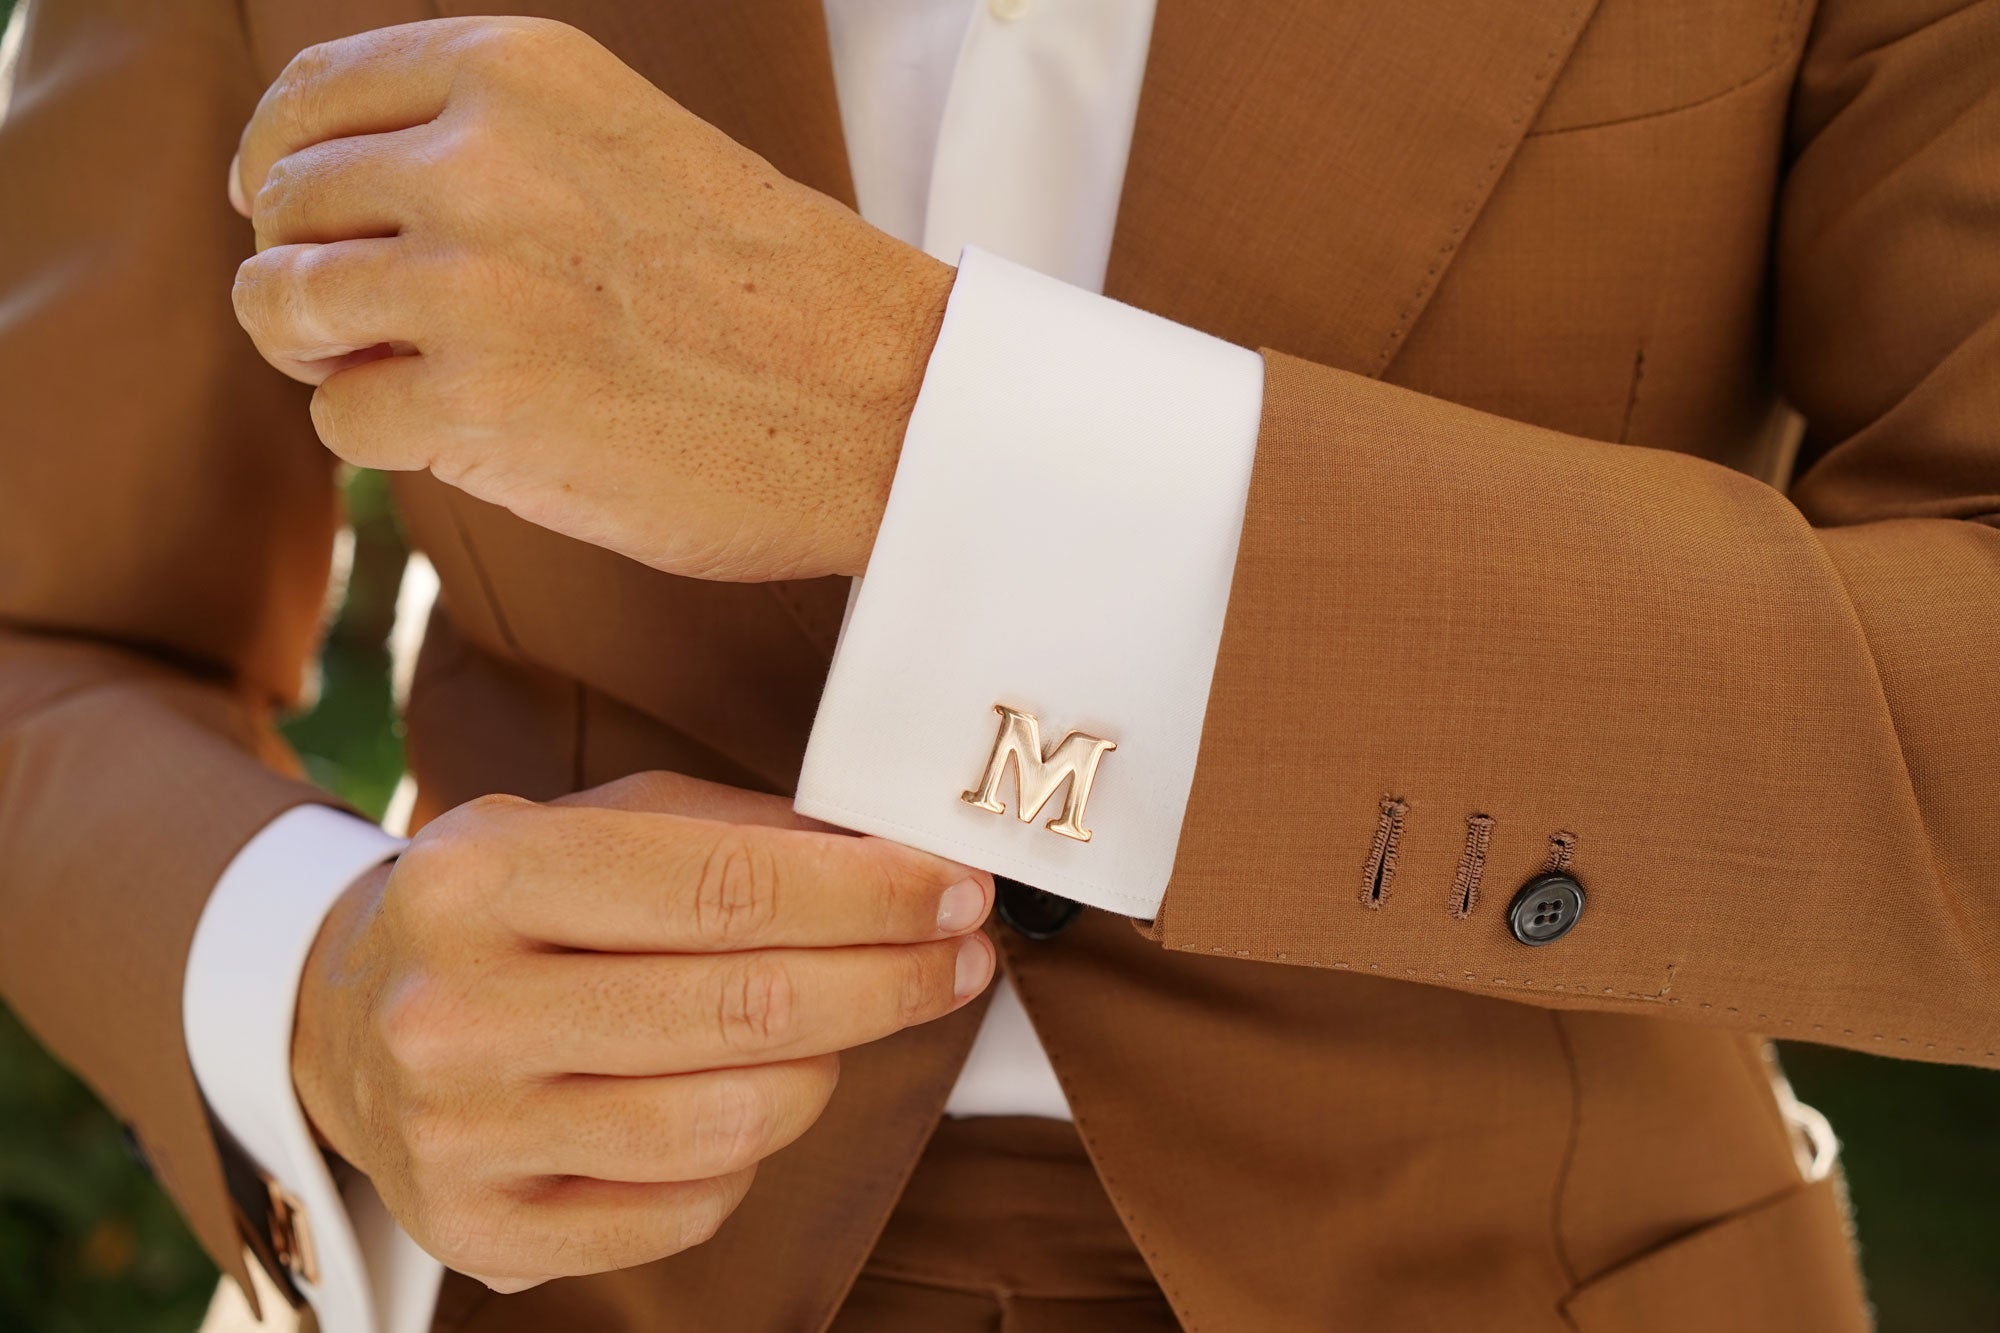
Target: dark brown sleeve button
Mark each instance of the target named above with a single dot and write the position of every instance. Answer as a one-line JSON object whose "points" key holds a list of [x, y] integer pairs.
{"points": [[1546, 909], [1031, 912]]}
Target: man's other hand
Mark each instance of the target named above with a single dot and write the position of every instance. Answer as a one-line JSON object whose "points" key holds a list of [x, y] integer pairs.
{"points": [[502, 255], [559, 1038]]}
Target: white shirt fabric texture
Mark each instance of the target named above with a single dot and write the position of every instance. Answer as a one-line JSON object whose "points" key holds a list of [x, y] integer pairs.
{"points": [[1059, 538]]}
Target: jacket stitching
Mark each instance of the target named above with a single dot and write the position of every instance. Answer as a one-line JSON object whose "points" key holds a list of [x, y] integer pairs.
{"points": [[1562, 846], [1776, 64], [1381, 868], [1538, 91], [1582, 988], [1471, 866]]}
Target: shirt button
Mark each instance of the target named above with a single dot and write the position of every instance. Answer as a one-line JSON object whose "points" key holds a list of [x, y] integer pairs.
{"points": [[1006, 11], [1030, 912], [1546, 909]]}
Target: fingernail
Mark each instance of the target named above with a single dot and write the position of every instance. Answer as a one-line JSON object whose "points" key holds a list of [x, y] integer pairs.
{"points": [[960, 907], [975, 965], [236, 186]]}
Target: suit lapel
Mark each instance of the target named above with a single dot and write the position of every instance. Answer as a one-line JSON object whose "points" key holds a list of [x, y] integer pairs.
{"points": [[1303, 170]]}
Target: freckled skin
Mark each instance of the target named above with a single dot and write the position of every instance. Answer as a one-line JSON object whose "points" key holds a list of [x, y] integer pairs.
{"points": [[623, 325]]}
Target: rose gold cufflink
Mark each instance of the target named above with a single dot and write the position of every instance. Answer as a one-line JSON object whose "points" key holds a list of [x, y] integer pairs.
{"points": [[1038, 772]]}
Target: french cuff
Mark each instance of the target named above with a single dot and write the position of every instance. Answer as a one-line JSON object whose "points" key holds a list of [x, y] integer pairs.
{"points": [[1022, 676], [346, 1256]]}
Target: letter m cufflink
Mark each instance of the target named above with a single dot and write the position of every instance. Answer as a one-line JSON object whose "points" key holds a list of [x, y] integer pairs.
{"points": [[1038, 772]]}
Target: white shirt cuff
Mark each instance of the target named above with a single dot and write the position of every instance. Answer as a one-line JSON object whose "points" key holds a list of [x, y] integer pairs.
{"points": [[242, 985], [1059, 540]]}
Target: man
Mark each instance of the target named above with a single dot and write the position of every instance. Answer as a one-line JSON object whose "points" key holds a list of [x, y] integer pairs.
{"points": [[1488, 735]]}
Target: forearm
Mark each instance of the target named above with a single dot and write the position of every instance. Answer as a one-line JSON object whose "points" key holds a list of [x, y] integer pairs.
{"points": [[1763, 744], [125, 789]]}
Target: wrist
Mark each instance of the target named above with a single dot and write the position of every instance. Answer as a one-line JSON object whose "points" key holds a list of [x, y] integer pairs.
{"points": [[913, 313], [323, 1051]]}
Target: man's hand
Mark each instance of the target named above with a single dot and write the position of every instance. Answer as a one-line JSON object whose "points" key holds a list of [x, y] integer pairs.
{"points": [[505, 257], [559, 1038]]}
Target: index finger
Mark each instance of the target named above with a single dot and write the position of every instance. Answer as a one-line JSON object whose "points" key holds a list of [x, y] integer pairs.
{"points": [[669, 793], [370, 83], [639, 882]]}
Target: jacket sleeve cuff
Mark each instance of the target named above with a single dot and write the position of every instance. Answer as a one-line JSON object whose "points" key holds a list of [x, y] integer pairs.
{"points": [[356, 1268], [1059, 542]]}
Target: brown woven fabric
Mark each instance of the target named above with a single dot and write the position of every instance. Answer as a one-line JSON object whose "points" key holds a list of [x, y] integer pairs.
{"points": [[1522, 544], [1004, 1228]]}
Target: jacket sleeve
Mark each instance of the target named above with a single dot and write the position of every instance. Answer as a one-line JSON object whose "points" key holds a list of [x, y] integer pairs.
{"points": [[166, 523], [1762, 730]]}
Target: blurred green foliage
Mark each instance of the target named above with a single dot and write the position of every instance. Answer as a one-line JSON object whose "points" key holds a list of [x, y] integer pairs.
{"points": [[1922, 1149], [87, 1243]]}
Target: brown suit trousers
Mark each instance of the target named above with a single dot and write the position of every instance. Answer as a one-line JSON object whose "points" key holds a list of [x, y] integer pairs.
{"points": [[1538, 564]]}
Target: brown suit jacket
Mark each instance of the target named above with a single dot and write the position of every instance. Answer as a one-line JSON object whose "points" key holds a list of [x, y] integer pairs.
{"points": [[1522, 543]]}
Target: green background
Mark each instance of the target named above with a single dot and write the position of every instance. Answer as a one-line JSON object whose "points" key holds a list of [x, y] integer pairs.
{"points": [[88, 1244]]}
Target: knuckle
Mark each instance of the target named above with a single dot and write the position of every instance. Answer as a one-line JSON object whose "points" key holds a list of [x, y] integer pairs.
{"points": [[699, 1225], [917, 994], [468, 401], [461, 870], [491, 50], [490, 826], [554, 32], [421, 1029], [756, 1011], [432, 1138], [494, 807], [895, 889], [325, 412], [251, 294], [275, 197], [736, 892], [703, 1215], [437, 873], [649, 789], [820, 1075], [730, 1130], [526, 32], [277, 293], [432, 857], [308, 66], [463, 1236], [476, 842], [315, 280], [296, 94], [467, 150]]}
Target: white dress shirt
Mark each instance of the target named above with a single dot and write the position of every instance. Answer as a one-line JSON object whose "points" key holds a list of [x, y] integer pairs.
{"points": [[1059, 538]]}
